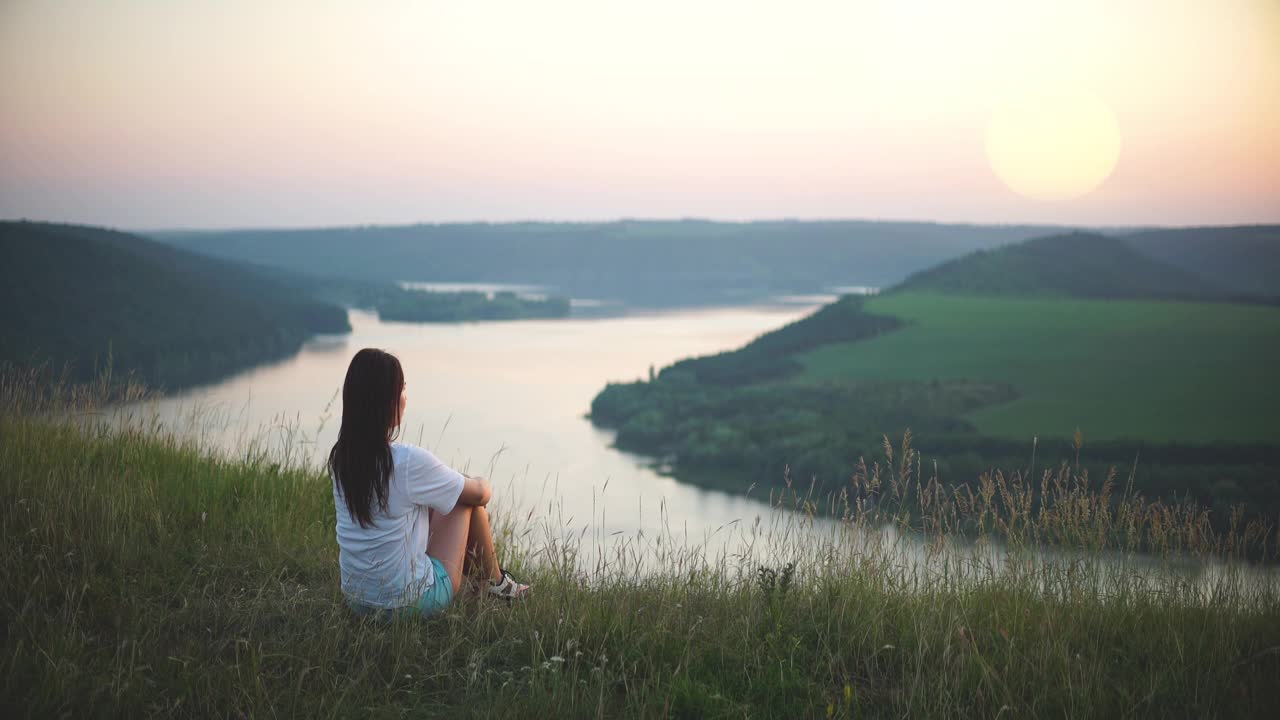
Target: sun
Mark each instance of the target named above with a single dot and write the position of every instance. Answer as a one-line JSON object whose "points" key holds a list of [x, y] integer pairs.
{"points": [[1053, 143]]}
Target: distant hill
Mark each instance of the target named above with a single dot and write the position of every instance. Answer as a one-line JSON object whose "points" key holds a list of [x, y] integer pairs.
{"points": [[1082, 265], [998, 359], [69, 294], [647, 263], [1242, 260]]}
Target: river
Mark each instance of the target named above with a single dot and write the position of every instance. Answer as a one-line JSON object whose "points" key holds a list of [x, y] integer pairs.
{"points": [[507, 400]]}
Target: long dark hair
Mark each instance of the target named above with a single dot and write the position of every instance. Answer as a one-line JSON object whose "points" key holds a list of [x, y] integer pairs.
{"points": [[360, 461]]}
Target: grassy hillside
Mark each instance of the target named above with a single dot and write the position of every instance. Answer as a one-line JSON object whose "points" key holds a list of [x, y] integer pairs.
{"points": [[1083, 265], [1157, 371], [1242, 260], [142, 577], [74, 295], [652, 263], [995, 359], [772, 355], [1175, 396]]}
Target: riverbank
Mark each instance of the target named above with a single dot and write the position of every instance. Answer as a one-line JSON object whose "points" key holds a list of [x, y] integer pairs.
{"points": [[142, 577], [983, 382]]}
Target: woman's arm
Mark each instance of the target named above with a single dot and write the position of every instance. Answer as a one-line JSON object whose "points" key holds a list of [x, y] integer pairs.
{"points": [[475, 491]]}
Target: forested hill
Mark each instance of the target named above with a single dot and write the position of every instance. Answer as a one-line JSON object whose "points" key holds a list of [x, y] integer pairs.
{"points": [[1245, 259], [71, 294], [653, 263], [991, 361], [1082, 265]]}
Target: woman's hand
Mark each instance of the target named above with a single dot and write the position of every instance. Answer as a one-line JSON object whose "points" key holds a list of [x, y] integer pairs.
{"points": [[475, 491]]}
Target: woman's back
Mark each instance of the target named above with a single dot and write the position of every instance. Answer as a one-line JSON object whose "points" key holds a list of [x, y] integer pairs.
{"points": [[385, 564]]}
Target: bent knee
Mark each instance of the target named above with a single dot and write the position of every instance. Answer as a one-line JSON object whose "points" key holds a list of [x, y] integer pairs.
{"points": [[460, 510]]}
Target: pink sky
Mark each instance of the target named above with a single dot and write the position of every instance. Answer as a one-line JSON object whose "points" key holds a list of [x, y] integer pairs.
{"points": [[154, 113]]}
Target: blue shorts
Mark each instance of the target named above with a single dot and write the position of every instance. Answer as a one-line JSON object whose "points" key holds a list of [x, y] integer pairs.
{"points": [[440, 594], [433, 600]]}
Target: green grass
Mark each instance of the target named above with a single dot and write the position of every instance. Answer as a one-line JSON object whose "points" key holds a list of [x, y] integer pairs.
{"points": [[1079, 265], [143, 577], [1160, 371]]}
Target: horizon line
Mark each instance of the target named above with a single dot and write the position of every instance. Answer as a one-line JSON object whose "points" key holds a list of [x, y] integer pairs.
{"points": [[655, 220]]}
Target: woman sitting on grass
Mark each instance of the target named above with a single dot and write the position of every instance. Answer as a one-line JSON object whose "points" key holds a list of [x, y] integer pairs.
{"points": [[409, 526]]}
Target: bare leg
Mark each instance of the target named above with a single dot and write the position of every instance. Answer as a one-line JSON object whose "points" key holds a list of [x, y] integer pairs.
{"points": [[448, 541], [461, 536], [480, 546]]}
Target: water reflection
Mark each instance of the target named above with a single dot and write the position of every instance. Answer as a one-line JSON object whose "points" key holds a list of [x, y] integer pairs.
{"points": [[532, 292], [508, 399], [505, 399]]}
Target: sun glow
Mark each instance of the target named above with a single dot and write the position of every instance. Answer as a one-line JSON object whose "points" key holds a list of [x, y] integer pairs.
{"points": [[1053, 143], [140, 114]]}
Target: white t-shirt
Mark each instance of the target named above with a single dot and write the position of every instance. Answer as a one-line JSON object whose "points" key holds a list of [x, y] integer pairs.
{"points": [[386, 565]]}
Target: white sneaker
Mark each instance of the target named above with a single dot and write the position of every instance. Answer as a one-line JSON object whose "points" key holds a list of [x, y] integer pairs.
{"points": [[508, 588]]}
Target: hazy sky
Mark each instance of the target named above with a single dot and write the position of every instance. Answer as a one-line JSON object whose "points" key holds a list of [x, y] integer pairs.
{"points": [[173, 113]]}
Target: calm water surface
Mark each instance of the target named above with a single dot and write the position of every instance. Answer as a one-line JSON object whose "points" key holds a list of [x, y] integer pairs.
{"points": [[508, 400], [504, 399]]}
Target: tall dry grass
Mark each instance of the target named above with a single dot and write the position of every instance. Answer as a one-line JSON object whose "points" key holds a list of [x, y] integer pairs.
{"points": [[143, 575]]}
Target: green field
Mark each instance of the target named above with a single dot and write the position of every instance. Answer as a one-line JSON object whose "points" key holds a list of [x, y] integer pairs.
{"points": [[145, 578], [1161, 371]]}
